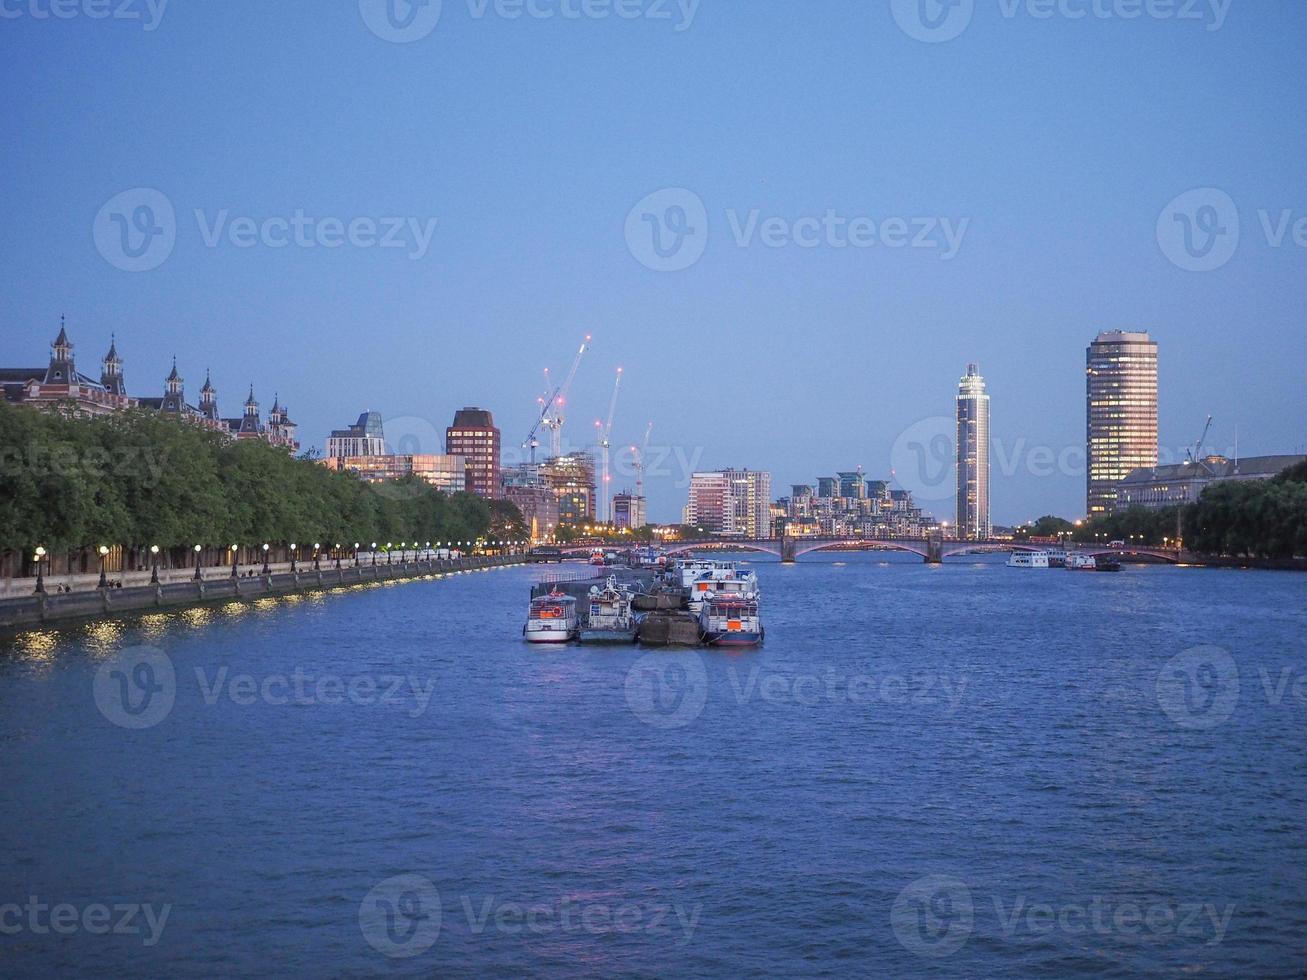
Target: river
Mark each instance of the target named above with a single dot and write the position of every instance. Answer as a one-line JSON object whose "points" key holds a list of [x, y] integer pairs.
{"points": [[951, 770]]}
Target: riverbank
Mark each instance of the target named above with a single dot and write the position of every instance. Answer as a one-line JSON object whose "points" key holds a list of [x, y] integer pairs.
{"points": [[50, 609]]}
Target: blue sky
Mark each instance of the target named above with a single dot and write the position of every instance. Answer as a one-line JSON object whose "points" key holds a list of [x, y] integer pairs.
{"points": [[1054, 144]]}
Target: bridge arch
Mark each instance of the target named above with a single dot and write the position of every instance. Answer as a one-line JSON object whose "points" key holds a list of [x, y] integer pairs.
{"points": [[766, 548]]}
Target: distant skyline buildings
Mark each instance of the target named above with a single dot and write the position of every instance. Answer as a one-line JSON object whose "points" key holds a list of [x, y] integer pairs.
{"points": [[730, 502], [1120, 413], [973, 456], [474, 437]]}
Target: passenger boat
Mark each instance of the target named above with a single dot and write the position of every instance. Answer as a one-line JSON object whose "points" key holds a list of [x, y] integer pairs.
{"points": [[1028, 559], [721, 582], [552, 619], [597, 556], [609, 618], [730, 621], [1082, 563]]}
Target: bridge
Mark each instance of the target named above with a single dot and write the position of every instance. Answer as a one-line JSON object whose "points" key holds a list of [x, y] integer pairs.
{"points": [[933, 549]]}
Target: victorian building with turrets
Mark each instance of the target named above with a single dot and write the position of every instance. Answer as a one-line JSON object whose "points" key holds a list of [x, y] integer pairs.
{"points": [[61, 387]]}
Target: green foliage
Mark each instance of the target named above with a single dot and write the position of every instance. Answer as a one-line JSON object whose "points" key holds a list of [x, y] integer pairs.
{"points": [[1138, 525], [1294, 474], [1047, 526], [140, 478]]}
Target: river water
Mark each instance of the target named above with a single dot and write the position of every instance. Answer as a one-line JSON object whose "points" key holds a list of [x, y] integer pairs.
{"points": [[963, 770]]}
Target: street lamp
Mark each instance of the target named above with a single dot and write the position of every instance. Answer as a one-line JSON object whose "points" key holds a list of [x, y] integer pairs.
{"points": [[198, 549], [317, 556], [40, 579], [374, 554], [389, 556], [337, 556], [266, 569], [356, 554], [233, 560], [104, 553], [293, 567], [154, 564]]}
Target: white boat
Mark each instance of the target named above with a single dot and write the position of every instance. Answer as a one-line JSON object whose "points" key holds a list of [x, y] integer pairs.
{"points": [[552, 619], [730, 621], [609, 618], [1028, 559], [721, 582], [1082, 563]]}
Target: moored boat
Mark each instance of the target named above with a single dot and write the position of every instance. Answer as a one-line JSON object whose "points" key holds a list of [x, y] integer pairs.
{"points": [[552, 619], [1082, 563], [609, 618], [730, 621], [1028, 559]]}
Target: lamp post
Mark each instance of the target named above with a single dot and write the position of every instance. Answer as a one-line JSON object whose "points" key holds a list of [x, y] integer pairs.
{"points": [[233, 560], [389, 556], [154, 564], [356, 554], [266, 569], [40, 579], [293, 566], [104, 553], [337, 556], [317, 556], [198, 577], [374, 554]]}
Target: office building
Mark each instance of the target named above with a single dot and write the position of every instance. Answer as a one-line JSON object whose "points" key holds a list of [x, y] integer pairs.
{"points": [[629, 511], [973, 457], [731, 502], [366, 437], [1120, 413], [1158, 487], [474, 437]]}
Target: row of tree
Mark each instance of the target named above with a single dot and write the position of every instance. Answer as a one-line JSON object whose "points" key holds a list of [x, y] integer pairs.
{"points": [[139, 478], [1239, 518]]}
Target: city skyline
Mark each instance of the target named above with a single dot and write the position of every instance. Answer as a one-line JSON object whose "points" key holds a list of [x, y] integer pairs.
{"points": [[839, 350]]}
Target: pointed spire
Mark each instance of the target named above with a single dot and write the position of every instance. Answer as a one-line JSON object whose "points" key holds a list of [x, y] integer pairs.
{"points": [[250, 402], [62, 339], [208, 388], [174, 376], [113, 348]]}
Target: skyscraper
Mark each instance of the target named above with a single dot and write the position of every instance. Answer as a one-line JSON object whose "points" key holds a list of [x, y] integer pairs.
{"points": [[474, 437], [1120, 413], [973, 456], [732, 502]]}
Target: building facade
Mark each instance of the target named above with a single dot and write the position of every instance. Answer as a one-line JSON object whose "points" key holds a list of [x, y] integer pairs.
{"points": [[973, 457], [474, 437], [1158, 487], [366, 437], [572, 479], [448, 474], [1120, 413], [730, 502], [879, 512], [629, 511]]}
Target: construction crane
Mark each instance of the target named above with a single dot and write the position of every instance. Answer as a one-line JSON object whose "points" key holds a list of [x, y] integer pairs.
{"points": [[605, 430], [544, 401], [556, 411], [1198, 446], [639, 456]]}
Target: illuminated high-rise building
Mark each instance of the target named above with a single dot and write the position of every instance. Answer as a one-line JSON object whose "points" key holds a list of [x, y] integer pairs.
{"points": [[474, 437], [973, 456], [1120, 413]]}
